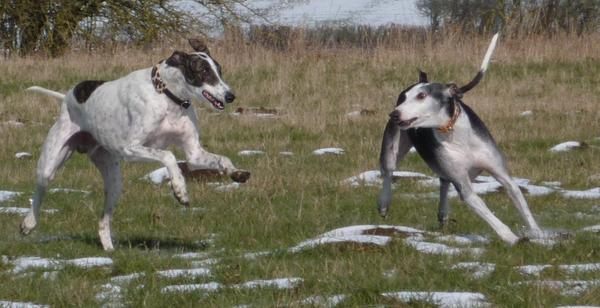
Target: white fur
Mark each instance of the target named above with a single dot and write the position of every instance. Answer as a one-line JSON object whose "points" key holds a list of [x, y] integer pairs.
{"points": [[129, 120]]}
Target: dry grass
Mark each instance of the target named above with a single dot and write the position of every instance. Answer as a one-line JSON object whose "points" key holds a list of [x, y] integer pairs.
{"points": [[289, 199]]}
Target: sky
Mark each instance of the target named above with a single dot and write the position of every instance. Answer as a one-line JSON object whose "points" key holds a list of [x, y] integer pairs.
{"points": [[372, 12]]}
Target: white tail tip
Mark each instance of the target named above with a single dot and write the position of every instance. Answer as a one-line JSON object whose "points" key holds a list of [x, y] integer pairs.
{"points": [[488, 54]]}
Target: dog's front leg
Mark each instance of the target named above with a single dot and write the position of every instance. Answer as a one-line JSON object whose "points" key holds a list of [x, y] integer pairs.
{"points": [[168, 160], [199, 158], [394, 146]]}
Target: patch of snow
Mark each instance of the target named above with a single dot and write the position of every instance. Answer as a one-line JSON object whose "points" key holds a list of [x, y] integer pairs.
{"points": [[23, 264], [360, 239], [23, 155], [565, 146], [280, 283], [593, 193], [324, 301], [89, 262], [255, 255], [373, 177], [206, 287], [442, 299], [440, 249], [466, 239], [222, 187], [205, 262], [567, 287], [286, 153], [532, 269], [8, 195], [412, 150], [52, 275], [192, 255], [250, 152], [157, 176], [323, 151], [353, 114], [189, 273], [68, 190], [123, 279], [595, 228], [22, 210], [554, 184], [527, 113], [9, 304], [109, 292], [480, 270]]}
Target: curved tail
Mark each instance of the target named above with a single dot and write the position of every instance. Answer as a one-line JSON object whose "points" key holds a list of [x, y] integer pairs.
{"points": [[484, 66], [51, 93]]}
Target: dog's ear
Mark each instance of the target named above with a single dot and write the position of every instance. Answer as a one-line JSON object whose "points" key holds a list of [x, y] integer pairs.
{"points": [[176, 59], [454, 90], [199, 45], [422, 77]]}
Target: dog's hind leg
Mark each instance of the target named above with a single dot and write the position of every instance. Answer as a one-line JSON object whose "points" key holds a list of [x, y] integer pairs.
{"points": [[109, 166], [444, 207], [55, 151], [476, 204], [516, 196], [167, 158]]}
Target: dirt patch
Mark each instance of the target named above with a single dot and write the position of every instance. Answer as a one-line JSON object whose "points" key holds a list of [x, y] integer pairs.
{"points": [[257, 110]]}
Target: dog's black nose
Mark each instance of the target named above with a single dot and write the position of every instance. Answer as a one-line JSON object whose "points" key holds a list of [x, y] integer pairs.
{"points": [[229, 97], [395, 116]]}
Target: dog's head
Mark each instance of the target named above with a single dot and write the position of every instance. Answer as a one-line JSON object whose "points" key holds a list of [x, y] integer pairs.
{"points": [[425, 104], [202, 75]]}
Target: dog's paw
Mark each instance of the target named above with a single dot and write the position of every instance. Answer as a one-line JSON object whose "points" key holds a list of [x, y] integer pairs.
{"points": [[240, 176]]}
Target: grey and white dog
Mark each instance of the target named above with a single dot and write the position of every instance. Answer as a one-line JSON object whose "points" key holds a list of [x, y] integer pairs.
{"points": [[454, 143], [135, 118]]}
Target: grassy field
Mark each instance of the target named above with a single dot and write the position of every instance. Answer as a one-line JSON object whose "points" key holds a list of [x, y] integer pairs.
{"points": [[293, 198]]}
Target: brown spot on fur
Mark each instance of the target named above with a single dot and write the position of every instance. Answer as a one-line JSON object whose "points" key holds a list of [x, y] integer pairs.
{"points": [[201, 175], [84, 89], [83, 142]]}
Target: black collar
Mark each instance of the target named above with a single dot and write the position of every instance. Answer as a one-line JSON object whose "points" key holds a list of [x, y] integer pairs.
{"points": [[161, 87]]}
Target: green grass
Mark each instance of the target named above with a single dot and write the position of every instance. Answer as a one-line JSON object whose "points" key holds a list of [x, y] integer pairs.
{"points": [[290, 199]]}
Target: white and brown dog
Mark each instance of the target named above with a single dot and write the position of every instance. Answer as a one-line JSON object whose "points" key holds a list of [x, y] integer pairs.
{"points": [[135, 118]]}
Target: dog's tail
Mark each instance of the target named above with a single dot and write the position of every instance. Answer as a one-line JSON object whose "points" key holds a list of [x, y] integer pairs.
{"points": [[51, 93], [484, 65]]}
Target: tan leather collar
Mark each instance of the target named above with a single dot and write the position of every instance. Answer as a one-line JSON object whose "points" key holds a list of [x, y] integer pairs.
{"points": [[450, 126]]}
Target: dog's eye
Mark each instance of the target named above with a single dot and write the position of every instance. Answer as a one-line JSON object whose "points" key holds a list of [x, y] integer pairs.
{"points": [[421, 96]]}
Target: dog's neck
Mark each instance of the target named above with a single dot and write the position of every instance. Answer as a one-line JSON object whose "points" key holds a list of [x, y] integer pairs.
{"points": [[168, 80], [452, 121]]}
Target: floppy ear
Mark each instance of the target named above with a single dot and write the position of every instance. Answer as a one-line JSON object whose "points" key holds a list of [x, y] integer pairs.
{"points": [[422, 77], [198, 45], [176, 59]]}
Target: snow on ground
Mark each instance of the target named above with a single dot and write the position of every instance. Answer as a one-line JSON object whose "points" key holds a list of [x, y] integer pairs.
{"points": [[6, 195], [206, 287], [279, 283], [22, 210], [527, 113], [566, 287], [440, 249], [23, 155], [9, 304], [323, 151], [360, 239], [373, 177], [157, 176], [595, 228], [222, 187], [465, 239], [124, 279], [286, 153], [568, 268], [250, 152], [109, 292], [68, 190], [478, 270], [188, 273], [322, 301], [593, 193], [23, 264], [442, 299], [566, 146], [192, 255]]}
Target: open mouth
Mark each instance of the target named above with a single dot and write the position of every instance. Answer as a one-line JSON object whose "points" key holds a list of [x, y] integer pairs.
{"points": [[215, 102], [407, 123]]}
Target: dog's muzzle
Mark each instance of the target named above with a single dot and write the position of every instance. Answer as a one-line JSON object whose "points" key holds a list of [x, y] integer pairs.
{"points": [[395, 116]]}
